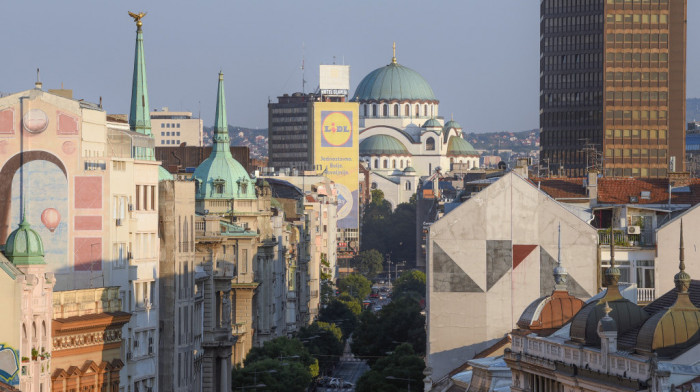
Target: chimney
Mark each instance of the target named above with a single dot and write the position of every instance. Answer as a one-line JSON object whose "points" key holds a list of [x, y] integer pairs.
{"points": [[521, 167], [592, 186]]}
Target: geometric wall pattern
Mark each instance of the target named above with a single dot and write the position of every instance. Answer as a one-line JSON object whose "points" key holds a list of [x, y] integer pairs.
{"points": [[448, 277], [547, 264]]}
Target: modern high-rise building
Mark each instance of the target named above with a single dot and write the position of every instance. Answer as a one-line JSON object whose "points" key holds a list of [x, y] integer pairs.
{"points": [[612, 86]]}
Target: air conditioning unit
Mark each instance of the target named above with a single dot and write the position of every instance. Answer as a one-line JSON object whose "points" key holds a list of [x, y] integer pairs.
{"points": [[119, 222], [634, 229]]}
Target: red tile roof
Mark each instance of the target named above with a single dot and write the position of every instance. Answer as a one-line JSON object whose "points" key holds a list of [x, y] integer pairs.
{"points": [[618, 190]]}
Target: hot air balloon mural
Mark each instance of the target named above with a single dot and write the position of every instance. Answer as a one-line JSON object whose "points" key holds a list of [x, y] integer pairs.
{"points": [[50, 218]]}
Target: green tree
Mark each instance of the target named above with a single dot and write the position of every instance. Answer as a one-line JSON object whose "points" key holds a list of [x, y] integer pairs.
{"points": [[410, 284], [402, 363], [276, 375], [286, 349], [400, 237], [325, 342], [356, 285], [340, 314], [375, 222], [369, 263], [398, 322]]}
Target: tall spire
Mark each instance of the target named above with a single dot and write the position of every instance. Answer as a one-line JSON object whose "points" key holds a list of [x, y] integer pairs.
{"points": [[393, 57], [139, 115], [560, 274], [612, 274], [682, 278], [221, 138]]}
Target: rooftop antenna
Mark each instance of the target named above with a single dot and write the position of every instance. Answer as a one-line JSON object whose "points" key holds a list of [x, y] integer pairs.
{"points": [[303, 78]]}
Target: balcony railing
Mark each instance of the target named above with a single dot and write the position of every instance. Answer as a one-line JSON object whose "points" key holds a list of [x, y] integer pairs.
{"points": [[624, 239], [645, 295]]}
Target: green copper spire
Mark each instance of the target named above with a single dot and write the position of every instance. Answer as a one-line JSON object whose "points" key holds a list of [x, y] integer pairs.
{"points": [[221, 139], [220, 176], [139, 116]]}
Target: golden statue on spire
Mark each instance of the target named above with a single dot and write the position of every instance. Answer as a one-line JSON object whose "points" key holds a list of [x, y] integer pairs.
{"points": [[393, 58], [137, 18]]}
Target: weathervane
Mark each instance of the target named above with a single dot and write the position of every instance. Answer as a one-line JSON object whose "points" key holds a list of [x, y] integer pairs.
{"points": [[137, 18]]}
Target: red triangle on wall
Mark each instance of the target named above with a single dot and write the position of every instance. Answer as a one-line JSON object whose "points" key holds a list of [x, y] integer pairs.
{"points": [[520, 252]]}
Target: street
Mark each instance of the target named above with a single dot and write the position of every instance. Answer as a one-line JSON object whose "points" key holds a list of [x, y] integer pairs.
{"points": [[349, 369]]}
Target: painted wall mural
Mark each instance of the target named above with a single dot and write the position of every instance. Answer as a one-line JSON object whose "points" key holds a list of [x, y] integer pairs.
{"points": [[46, 201], [9, 365]]}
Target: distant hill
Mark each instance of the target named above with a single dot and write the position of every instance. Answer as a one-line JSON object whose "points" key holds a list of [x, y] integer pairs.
{"points": [[255, 139]]}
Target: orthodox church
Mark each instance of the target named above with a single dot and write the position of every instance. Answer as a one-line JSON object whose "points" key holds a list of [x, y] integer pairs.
{"points": [[401, 135]]}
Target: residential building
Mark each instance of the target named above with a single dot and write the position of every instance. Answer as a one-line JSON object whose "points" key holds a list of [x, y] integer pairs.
{"points": [[613, 344], [612, 87], [178, 365], [174, 128], [483, 272], [87, 340]]}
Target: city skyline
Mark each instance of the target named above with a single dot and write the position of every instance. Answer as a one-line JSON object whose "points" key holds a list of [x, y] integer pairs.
{"points": [[500, 93]]}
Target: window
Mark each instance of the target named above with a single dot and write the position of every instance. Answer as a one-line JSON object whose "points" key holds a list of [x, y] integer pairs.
{"points": [[407, 111], [425, 110], [396, 110], [430, 144], [374, 109], [385, 110], [417, 110], [162, 133], [364, 110], [385, 164], [138, 197], [162, 125], [376, 163], [178, 125], [408, 186], [162, 142], [167, 126]]}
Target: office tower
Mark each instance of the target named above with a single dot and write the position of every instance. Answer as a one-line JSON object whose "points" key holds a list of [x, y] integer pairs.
{"points": [[612, 86]]}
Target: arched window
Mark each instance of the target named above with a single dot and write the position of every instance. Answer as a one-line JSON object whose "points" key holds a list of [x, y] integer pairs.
{"points": [[34, 334], [374, 185], [407, 110], [385, 164], [364, 108], [396, 110], [385, 110], [376, 163], [393, 163], [374, 110], [401, 163], [430, 144], [469, 164], [408, 185], [417, 110], [425, 110]]}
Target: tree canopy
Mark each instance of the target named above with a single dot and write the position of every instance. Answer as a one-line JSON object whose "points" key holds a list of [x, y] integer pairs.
{"points": [[286, 349], [369, 263], [341, 314], [402, 363], [356, 285], [324, 342], [410, 284], [387, 231]]}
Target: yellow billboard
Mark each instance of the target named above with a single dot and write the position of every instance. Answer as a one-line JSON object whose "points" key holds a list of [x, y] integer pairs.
{"points": [[336, 153]]}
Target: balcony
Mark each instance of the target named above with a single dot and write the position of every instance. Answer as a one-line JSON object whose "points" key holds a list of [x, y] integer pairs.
{"points": [[645, 295], [645, 239], [239, 328]]}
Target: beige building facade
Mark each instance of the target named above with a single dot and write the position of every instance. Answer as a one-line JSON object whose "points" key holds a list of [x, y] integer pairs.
{"points": [[172, 128]]}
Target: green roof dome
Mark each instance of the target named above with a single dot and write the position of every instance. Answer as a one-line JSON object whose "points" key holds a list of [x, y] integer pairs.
{"points": [[459, 146], [394, 82], [432, 123], [24, 245], [452, 124], [409, 169], [163, 174], [382, 145], [220, 176]]}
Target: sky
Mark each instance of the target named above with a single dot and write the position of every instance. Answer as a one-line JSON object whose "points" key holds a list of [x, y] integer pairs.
{"points": [[481, 57]]}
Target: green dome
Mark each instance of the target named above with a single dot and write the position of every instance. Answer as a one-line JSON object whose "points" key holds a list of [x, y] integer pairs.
{"points": [[163, 174], [432, 123], [452, 124], [394, 82], [409, 169], [382, 145], [459, 146], [222, 177], [24, 245]]}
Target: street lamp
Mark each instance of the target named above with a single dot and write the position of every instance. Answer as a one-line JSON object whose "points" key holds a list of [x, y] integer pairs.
{"points": [[401, 379]]}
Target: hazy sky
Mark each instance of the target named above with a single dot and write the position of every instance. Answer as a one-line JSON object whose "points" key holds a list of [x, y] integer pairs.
{"points": [[479, 56]]}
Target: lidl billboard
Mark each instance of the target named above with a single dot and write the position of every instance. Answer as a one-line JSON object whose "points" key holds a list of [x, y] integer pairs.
{"points": [[336, 152]]}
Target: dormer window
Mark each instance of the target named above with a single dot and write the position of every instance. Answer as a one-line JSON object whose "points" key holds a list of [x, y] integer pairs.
{"points": [[219, 186], [430, 144], [242, 186]]}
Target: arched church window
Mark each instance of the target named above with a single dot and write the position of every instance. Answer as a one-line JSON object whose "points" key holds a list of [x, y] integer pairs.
{"points": [[417, 110], [425, 110], [374, 110], [408, 185], [393, 163], [376, 163], [385, 110], [401, 163], [385, 164], [407, 110], [364, 108], [430, 144], [396, 110]]}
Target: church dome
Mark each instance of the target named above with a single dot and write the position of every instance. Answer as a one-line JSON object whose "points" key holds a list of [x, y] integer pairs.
{"points": [[24, 245], [550, 312], [222, 177], [459, 146], [432, 123], [394, 82], [452, 124], [382, 145]]}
